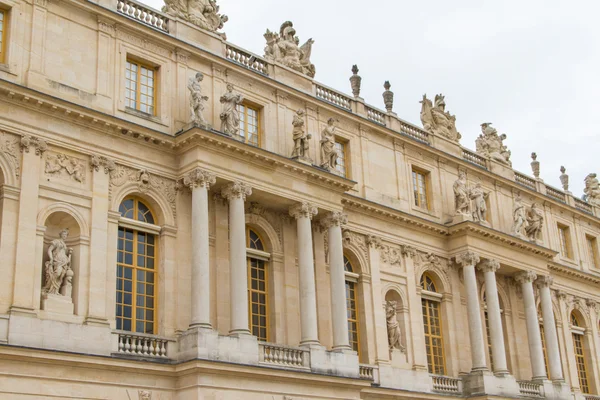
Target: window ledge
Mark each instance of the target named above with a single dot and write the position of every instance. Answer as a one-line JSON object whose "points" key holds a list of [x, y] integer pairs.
{"points": [[6, 68], [424, 211]]}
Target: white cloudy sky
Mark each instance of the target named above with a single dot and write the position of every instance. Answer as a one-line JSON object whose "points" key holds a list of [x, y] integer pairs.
{"points": [[532, 67]]}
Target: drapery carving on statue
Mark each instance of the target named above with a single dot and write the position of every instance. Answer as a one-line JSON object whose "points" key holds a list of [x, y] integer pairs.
{"points": [[300, 137], [197, 100], [202, 13], [65, 167], [478, 197], [462, 195], [490, 144], [393, 327], [284, 48], [592, 190], [437, 120], [58, 275], [230, 116], [329, 153], [527, 221]]}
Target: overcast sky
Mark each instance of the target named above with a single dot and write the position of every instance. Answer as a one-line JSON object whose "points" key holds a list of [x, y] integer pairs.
{"points": [[531, 67]]}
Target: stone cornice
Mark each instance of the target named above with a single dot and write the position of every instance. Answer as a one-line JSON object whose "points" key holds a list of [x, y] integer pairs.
{"points": [[572, 273]]}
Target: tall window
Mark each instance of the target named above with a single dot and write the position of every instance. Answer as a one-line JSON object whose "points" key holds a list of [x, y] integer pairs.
{"points": [[249, 124], [136, 269], [434, 343], [3, 26], [592, 245], [543, 335], [140, 83], [577, 333], [564, 237], [487, 329], [258, 286], [341, 159], [420, 189], [352, 306]]}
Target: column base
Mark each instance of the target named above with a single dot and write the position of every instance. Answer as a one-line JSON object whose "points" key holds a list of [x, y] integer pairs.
{"points": [[311, 344], [483, 382], [239, 332], [341, 349], [22, 311], [201, 325]]}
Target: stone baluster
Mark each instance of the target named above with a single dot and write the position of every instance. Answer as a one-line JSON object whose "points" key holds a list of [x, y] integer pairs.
{"points": [[303, 213], [489, 268], [536, 353], [199, 182], [333, 222], [468, 261], [236, 193], [550, 334]]}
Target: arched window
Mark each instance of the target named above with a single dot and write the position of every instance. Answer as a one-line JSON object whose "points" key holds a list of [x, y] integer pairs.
{"points": [[352, 305], [136, 268], [577, 332], [434, 342], [258, 285]]}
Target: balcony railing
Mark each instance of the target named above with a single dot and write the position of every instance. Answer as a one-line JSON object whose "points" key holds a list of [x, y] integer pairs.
{"points": [[414, 132], [142, 345], [375, 115], [333, 97], [525, 180], [556, 194], [368, 372], [583, 206], [531, 389], [144, 14], [246, 59], [446, 384], [283, 356], [591, 397], [473, 158]]}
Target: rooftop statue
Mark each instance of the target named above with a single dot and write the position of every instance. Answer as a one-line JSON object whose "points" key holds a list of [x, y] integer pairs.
{"points": [[592, 190], [202, 13], [491, 145], [437, 120], [283, 47]]}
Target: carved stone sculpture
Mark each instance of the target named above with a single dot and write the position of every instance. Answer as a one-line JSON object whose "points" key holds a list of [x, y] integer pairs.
{"points": [[70, 165], [388, 97], [100, 161], [535, 222], [535, 166], [592, 190], [462, 200], [58, 275], [355, 80], [393, 328], [202, 13], [300, 136], [479, 212], [329, 153], [437, 120], [284, 49], [197, 100], [230, 116], [519, 217], [490, 144], [564, 178], [145, 395]]}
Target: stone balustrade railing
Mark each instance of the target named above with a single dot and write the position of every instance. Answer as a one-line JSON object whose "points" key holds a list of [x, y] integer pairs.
{"points": [[144, 14], [332, 96], [531, 389], [591, 397], [446, 384], [375, 115], [283, 356], [368, 372], [414, 132], [246, 59], [556, 194], [473, 158], [583, 206], [525, 180], [143, 345]]}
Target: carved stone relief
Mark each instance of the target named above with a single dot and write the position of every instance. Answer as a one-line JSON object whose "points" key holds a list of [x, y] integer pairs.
{"points": [[283, 48], [273, 218], [38, 144], [437, 120], [490, 144], [357, 240], [98, 162], [9, 146], [65, 167], [197, 100], [202, 13]]}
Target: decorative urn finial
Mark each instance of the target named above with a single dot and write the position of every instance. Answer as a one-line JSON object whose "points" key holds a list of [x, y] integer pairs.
{"points": [[535, 165], [564, 178], [388, 96], [355, 80]]}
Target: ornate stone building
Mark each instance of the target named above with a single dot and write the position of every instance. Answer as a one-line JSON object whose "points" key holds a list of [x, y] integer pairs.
{"points": [[183, 219]]}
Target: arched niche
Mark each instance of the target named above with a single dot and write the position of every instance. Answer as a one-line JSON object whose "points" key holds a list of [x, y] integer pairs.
{"points": [[394, 298]]}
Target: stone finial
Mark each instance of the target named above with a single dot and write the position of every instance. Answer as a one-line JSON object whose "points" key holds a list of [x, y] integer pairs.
{"points": [[388, 96], [564, 178], [304, 209], [236, 190], [525, 276], [489, 266], [355, 80], [544, 281], [535, 165], [334, 218], [468, 258], [199, 178]]}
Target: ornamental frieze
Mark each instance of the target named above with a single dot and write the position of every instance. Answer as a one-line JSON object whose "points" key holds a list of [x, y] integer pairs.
{"points": [[65, 167]]}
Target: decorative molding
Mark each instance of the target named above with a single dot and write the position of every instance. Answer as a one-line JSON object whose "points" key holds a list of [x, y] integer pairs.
{"points": [[374, 242], [9, 145], [41, 3], [182, 56], [525, 277], [575, 274], [357, 240], [544, 281], [303, 210], [142, 43], [273, 218], [107, 27], [468, 258], [65, 167], [489, 265], [334, 218], [199, 178], [236, 190], [98, 162], [391, 255], [28, 141]]}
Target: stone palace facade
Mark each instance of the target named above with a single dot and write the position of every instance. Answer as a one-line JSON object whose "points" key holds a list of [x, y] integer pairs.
{"points": [[183, 219]]}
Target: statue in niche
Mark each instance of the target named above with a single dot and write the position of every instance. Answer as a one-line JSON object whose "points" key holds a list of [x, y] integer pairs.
{"points": [[284, 48], [592, 190], [490, 144], [72, 166], [202, 13], [393, 328], [230, 116], [329, 153], [58, 273], [437, 120], [197, 100], [462, 201], [535, 222], [301, 138], [519, 217], [479, 196]]}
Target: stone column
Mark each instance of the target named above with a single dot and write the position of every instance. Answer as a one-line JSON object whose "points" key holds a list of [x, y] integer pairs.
{"points": [[468, 260], [489, 268], [536, 352], [303, 213], [550, 334], [236, 193], [415, 304], [199, 182], [333, 222], [382, 349]]}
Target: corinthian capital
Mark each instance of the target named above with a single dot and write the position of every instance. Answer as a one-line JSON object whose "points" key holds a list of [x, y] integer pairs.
{"points": [[303, 210], [199, 178], [525, 277], [334, 218], [98, 162], [467, 258], [236, 190], [544, 281], [489, 266], [38, 144]]}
